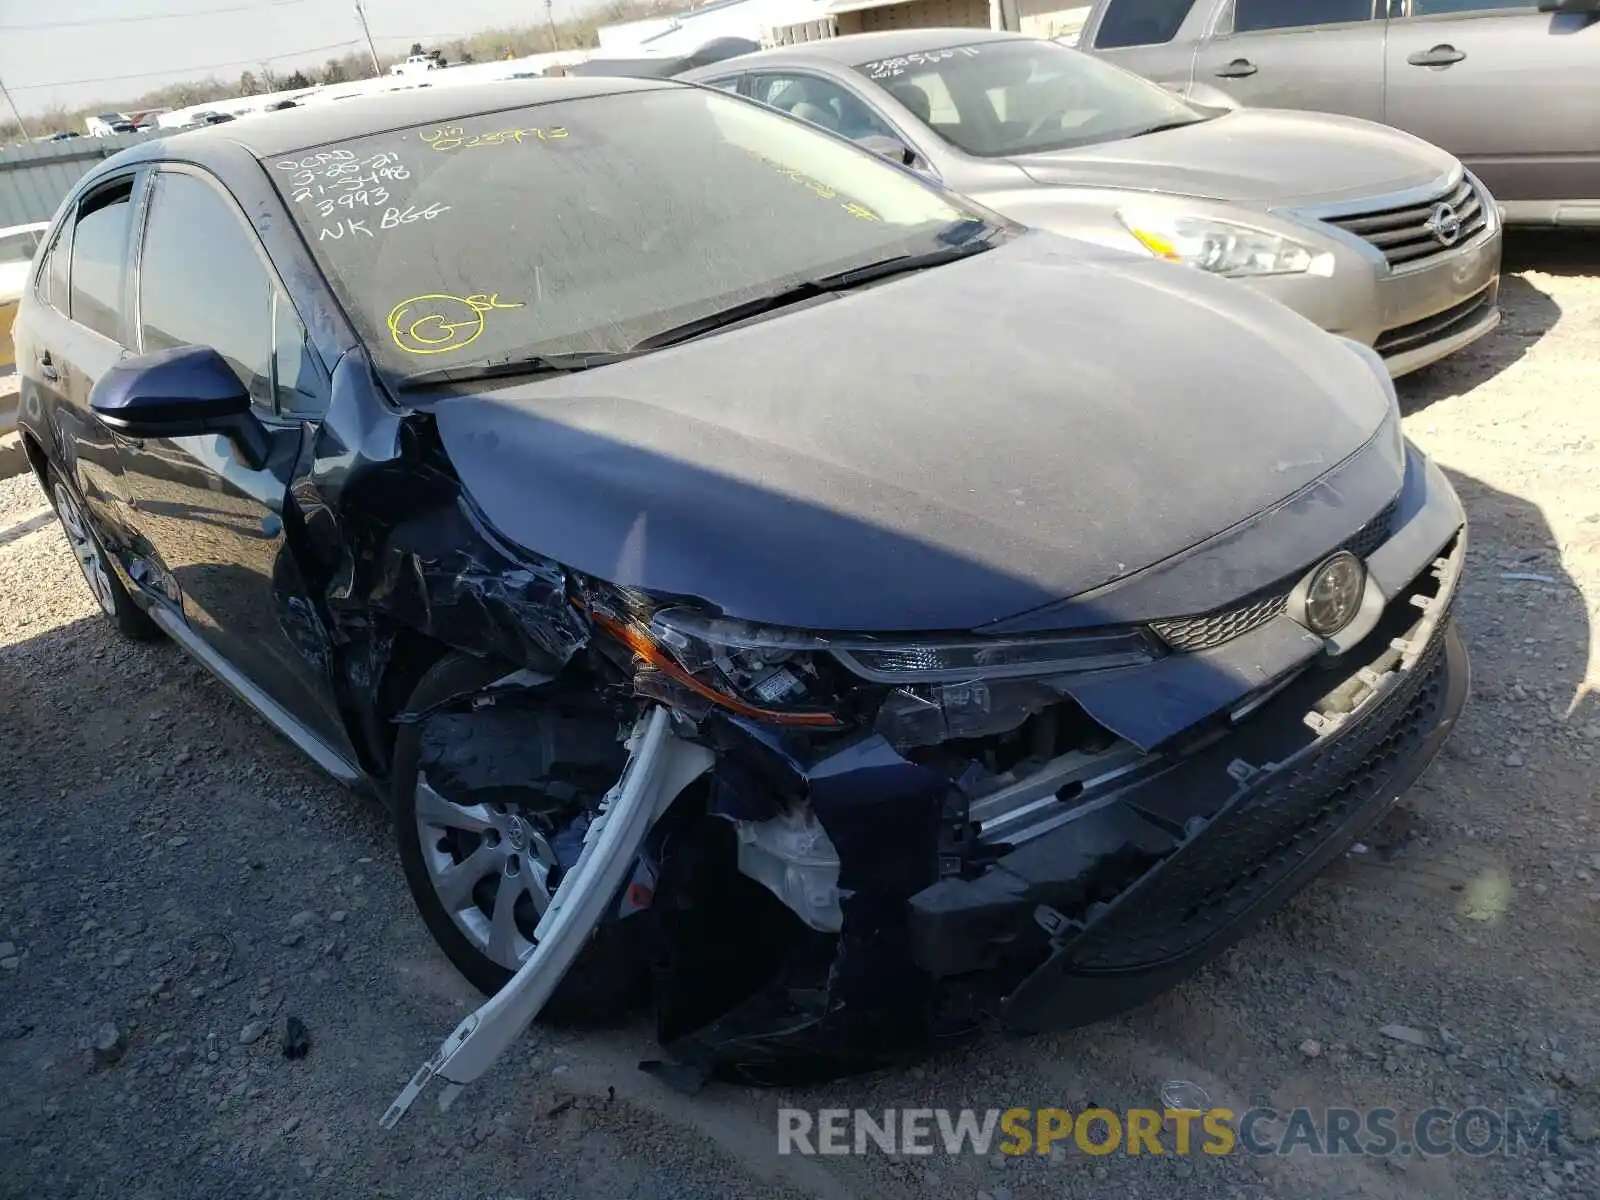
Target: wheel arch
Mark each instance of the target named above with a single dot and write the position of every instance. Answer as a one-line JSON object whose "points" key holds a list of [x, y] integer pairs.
{"points": [[37, 458], [412, 654]]}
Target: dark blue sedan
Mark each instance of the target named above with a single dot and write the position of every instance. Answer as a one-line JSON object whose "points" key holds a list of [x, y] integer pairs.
{"points": [[1038, 615]]}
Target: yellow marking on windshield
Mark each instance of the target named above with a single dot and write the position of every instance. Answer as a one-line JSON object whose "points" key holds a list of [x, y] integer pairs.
{"points": [[439, 322], [854, 208], [453, 137]]}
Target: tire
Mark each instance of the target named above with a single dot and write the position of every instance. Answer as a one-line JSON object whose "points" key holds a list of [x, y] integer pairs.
{"points": [[609, 977], [98, 573]]}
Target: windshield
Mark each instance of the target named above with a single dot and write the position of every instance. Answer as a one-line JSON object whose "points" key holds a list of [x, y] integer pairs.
{"points": [[588, 225], [1002, 98]]}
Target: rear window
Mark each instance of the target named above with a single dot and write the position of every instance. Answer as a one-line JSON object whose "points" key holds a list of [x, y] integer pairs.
{"points": [[587, 225], [1140, 22]]}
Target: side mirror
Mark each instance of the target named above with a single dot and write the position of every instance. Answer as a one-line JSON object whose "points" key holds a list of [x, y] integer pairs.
{"points": [[182, 392], [893, 149]]}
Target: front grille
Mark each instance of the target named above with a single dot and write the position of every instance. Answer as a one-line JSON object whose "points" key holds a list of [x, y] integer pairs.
{"points": [[1252, 845], [1439, 326], [1204, 630], [1404, 234], [1212, 629], [1374, 533]]}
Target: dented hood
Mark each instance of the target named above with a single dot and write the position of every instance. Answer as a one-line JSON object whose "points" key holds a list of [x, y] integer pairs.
{"points": [[935, 452], [1257, 157]]}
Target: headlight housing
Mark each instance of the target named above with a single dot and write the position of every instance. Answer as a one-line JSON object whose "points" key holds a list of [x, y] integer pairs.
{"points": [[690, 660], [1392, 426], [1218, 246], [793, 677]]}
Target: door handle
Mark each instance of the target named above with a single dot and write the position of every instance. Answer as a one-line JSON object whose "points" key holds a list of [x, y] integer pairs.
{"points": [[1439, 56], [1237, 69], [47, 368]]}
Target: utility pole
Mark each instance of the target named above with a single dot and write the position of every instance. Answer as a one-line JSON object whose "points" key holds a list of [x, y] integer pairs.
{"points": [[550, 19], [377, 67], [23, 128]]}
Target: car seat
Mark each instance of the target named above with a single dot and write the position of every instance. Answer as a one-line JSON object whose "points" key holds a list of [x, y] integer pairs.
{"points": [[816, 114], [799, 99], [914, 98]]}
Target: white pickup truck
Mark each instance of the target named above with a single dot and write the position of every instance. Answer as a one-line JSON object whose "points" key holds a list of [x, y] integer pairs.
{"points": [[415, 64]]}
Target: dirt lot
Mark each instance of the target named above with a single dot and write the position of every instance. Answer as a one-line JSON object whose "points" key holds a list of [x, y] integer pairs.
{"points": [[172, 869]]}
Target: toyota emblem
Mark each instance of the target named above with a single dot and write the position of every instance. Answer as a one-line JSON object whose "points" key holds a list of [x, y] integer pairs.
{"points": [[517, 834], [1329, 597], [1445, 225]]}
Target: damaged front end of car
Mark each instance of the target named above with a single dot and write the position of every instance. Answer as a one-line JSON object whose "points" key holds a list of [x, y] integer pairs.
{"points": [[843, 849]]}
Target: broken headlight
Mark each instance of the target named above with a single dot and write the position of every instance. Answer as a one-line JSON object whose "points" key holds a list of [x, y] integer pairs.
{"points": [[993, 658], [755, 671], [771, 674], [971, 688]]}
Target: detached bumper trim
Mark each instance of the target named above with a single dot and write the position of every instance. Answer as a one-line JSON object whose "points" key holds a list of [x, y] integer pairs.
{"points": [[1185, 912], [1082, 980], [1095, 916]]}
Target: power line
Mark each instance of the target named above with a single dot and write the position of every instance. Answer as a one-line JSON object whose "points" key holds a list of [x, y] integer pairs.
{"points": [[199, 12], [186, 71]]}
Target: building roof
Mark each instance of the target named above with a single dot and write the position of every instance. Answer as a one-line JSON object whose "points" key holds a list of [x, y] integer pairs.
{"points": [[688, 14]]}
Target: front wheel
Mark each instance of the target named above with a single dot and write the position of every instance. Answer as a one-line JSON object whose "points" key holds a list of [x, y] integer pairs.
{"points": [[98, 573], [482, 872]]}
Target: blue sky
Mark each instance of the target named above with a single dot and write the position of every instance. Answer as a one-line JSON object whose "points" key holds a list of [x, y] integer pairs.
{"points": [[47, 48]]}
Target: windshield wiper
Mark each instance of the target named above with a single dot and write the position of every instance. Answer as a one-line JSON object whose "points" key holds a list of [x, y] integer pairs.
{"points": [[1178, 123], [808, 289], [531, 364]]}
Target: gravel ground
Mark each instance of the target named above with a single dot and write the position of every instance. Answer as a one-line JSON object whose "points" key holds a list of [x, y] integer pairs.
{"points": [[175, 883]]}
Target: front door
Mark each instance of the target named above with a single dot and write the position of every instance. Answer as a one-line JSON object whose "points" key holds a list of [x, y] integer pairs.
{"points": [[1317, 55], [1153, 38], [1512, 92], [214, 522]]}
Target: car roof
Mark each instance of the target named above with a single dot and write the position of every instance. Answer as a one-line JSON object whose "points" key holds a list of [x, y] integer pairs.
{"points": [[855, 48], [266, 135]]}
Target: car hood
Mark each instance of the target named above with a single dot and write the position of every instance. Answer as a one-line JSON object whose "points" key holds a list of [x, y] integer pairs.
{"points": [[936, 452], [1259, 157]]}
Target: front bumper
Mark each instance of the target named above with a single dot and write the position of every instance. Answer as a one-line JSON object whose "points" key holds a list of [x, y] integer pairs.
{"points": [[1413, 315], [1104, 912], [1088, 881]]}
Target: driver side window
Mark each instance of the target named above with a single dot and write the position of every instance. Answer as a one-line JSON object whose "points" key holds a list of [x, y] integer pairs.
{"points": [[202, 282], [821, 102]]}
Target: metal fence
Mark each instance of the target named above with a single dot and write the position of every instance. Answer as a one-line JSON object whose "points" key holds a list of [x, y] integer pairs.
{"points": [[35, 179]]}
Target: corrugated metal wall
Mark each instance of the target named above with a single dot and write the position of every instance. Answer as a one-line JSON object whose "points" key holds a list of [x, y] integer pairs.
{"points": [[35, 179], [917, 14], [802, 31]]}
